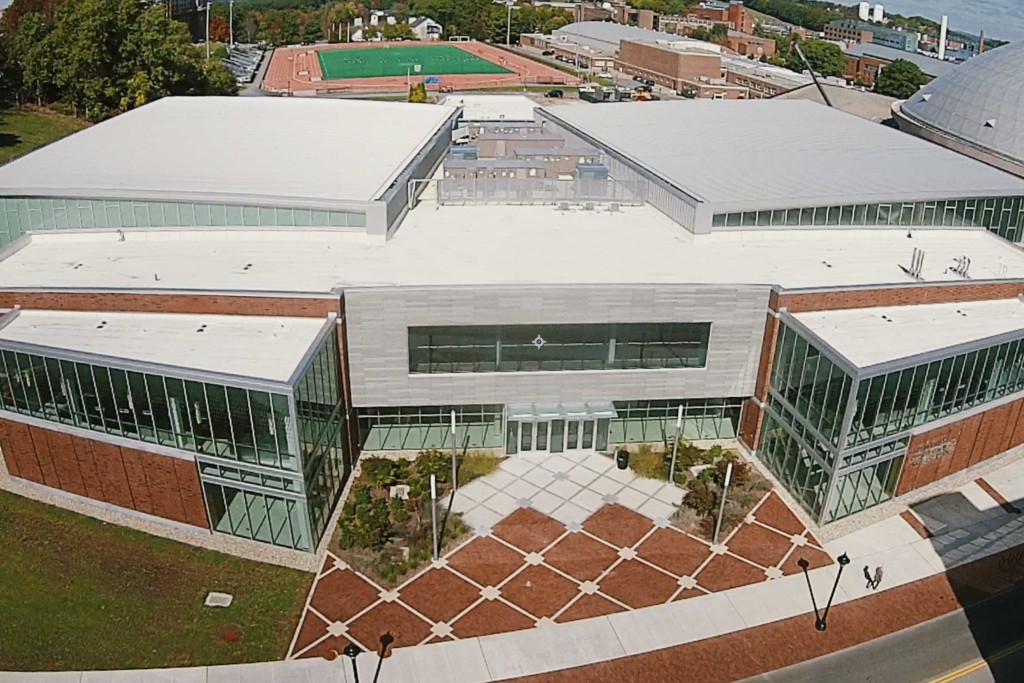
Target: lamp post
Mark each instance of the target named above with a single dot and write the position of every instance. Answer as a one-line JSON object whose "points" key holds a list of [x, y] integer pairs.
{"points": [[385, 640], [455, 467], [352, 651], [821, 619], [207, 30], [508, 25], [675, 446], [231, 23]]}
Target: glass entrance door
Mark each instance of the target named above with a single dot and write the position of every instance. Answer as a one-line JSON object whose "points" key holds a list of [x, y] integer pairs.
{"points": [[556, 435]]}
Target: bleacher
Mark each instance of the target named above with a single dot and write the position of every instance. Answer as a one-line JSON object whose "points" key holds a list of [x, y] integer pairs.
{"points": [[243, 60]]}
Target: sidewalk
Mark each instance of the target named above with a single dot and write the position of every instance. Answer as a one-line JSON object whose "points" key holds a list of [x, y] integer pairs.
{"points": [[947, 552]]}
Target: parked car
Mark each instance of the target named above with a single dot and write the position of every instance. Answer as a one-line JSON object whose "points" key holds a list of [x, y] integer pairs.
{"points": [[447, 88], [604, 74], [547, 53], [554, 93], [638, 78]]}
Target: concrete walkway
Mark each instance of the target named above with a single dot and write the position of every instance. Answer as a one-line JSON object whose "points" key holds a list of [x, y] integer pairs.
{"points": [[949, 530]]}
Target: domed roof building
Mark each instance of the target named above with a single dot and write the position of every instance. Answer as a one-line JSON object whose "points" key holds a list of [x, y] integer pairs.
{"points": [[976, 109]]}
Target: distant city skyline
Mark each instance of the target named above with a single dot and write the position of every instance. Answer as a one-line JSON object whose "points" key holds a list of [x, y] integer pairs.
{"points": [[1002, 19]]}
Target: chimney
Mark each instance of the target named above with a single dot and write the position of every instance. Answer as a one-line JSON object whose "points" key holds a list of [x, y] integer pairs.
{"points": [[942, 36]]}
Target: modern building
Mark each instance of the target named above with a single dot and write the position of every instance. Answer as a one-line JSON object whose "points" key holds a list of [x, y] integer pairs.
{"points": [[838, 297], [853, 31], [425, 28], [857, 101], [865, 61], [975, 109]]}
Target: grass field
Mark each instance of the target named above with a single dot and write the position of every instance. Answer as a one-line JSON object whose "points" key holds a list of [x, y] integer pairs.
{"points": [[76, 593], [396, 60], [23, 130]]}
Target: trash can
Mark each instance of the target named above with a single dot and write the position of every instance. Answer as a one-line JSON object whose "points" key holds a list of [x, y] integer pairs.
{"points": [[622, 459]]}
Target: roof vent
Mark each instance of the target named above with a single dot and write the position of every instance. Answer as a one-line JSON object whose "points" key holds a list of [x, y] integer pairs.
{"points": [[916, 263], [991, 123], [103, 323], [247, 266], [826, 264], [202, 328], [927, 96], [961, 267]]}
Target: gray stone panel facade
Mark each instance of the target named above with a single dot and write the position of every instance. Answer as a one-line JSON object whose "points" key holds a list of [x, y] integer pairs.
{"points": [[378, 320]]}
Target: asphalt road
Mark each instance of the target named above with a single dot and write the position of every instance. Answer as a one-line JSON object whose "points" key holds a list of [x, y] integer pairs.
{"points": [[952, 648]]}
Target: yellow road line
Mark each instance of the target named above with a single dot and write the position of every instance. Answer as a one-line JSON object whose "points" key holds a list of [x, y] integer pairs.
{"points": [[978, 664]]}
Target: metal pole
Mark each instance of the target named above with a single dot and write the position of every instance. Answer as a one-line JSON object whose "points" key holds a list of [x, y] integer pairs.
{"points": [[207, 30], [675, 446], [455, 467], [231, 22], [822, 623], [721, 509], [408, 77], [508, 30], [433, 511]]}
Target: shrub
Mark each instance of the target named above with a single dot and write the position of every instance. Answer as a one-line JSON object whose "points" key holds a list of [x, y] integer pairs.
{"points": [[647, 462], [380, 471], [740, 473], [365, 522], [689, 455], [418, 487], [399, 515], [477, 464], [433, 461], [701, 497]]}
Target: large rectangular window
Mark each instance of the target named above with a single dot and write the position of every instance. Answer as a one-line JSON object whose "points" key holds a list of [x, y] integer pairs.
{"points": [[531, 348]]}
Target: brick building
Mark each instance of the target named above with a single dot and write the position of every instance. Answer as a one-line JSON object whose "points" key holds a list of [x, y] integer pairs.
{"points": [[212, 350], [672, 65], [864, 62]]}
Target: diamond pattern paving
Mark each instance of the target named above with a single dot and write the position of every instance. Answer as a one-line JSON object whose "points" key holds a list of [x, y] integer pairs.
{"points": [[525, 568]]}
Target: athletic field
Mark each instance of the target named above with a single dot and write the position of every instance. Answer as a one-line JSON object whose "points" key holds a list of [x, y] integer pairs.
{"points": [[398, 60]]}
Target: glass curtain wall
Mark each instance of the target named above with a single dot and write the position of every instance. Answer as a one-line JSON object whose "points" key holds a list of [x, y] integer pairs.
{"points": [[526, 348], [655, 421], [416, 428], [1002, 215], [19, 215], [267, 474], [900, 400]]}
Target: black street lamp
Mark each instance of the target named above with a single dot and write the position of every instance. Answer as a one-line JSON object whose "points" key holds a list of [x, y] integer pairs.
{"points": [[385, 640], [352, 651], [821, 619]]}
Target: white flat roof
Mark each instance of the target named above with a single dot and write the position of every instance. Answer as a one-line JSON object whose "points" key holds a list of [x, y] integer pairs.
{"points": [[491, 245], [868, 336], [783, 153], [493, 107], [268, 348], [283, 149]]}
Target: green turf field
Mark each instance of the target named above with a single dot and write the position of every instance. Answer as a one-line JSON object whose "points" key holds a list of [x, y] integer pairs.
{"points": [[395, 60]]}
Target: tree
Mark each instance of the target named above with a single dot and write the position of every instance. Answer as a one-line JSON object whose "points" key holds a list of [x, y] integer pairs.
{"points": [[824, 57], [219, 32], [901, 79], [397, 32], [418, 93]]}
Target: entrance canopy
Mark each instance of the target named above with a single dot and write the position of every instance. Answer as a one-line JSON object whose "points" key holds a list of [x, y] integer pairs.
{"points": [[534, 411]]}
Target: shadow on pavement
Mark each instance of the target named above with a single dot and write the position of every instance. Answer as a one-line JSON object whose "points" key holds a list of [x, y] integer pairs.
{"points": [[961, 533]]}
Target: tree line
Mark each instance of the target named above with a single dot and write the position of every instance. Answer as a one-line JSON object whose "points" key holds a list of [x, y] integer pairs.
{"points": [[96, 58], [288, 22]]}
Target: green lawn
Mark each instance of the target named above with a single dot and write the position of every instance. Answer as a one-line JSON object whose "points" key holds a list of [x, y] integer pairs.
{"points": [[76, 593], [23, 130], [396, 60]]}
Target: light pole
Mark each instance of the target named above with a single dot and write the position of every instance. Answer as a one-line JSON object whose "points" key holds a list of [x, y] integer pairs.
{"points": [[207, 30], [455, 467], [821, 619], [385, 640], [231, 23], [508, 26], [675, 446], [352, 651]]}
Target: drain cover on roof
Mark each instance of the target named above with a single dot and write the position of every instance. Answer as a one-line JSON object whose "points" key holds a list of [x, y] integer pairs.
{"points": [[218, 600]]}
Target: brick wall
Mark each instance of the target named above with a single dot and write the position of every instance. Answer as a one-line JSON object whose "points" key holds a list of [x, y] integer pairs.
{"points": [[667, 67], [939, 452], [126, 477], [216, 304], [896, 296]]}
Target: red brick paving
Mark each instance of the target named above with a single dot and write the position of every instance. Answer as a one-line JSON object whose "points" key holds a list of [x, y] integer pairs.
{"points": [[758, 544], [407, 628], [916, 524], [329, 648], [539, 591], [529, 530], [674, 551], [618, 525], [776, 514], [342, 594], [589, 606], [424, 594], [485, 561], [816, 558], [581, 557], [490, 616], [724, 572], [440, 595], [635, 584]]}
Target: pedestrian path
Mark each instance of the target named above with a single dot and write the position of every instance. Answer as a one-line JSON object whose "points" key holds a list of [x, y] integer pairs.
{"points": [[943, 534]]}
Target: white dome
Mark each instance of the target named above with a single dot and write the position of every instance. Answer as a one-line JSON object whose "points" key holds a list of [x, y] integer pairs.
{"points": [[980, 102]]}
